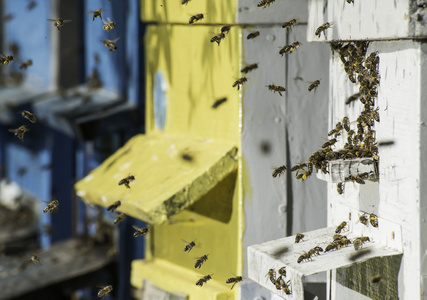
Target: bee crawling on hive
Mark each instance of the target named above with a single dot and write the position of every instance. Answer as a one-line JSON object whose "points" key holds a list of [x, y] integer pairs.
{"points": [[299, 237], [271, 274], [341, 227], [305, 256], [114, 206], [340, 187]]}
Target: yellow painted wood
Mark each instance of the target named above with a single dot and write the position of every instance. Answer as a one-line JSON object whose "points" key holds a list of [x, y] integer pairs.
{"points": [[166, 11], [165, 182]]}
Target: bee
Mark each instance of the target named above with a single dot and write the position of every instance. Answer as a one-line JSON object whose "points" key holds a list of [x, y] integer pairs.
{"points": [[104, 291], [286, 288], [298, 167], [332, 246], [203, 280], [265, 3], [200, 261], [376, 278], [252, 35], [58, 23], [51, 206], [276, 88], [329, 143], [96, 13], [185, 2], [108, 25], [234, 280], [26, 64], [217, 38], [358, 242], [303, 175], [271, 274], [315, 251], [225, 29], [35, 259], [279, 171], [5, 59], [139, 231], [373, 219], [341, 227], [29, 116], [322, 28], [346, 124], [289, 48], [363, 219], [355, 178], [219, 102], [127, 180], [111, 44], [289, 25], [313, 85], [119, 218], [249, 68], [195, 18], [239, 82], [114, 206], [282, 271], [352, 98], [189, 246], [336, 130], [343, 241], [304, 256], [340, 188], [299, 237]]}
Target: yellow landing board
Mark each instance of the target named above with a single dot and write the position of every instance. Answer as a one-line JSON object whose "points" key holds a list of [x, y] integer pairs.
{"points": [[171, 172], [173, 278]]}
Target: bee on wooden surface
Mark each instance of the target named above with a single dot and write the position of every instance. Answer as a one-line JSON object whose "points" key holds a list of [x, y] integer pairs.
{"points": [[265, 3], [340, 188], [341, 227], [271, 274], [219, 102], [332, 246], [276, 88], [139, 231], [343, 241], [200, 261], [252, 35], [29, 116], [96, 13], [127, 180], [363, 219], [373, 219], [355, 178], [313, 85], [376, 278], [336, 46], [315, 251], [108, 25], [5, 59], [105, 291], [51, 206], [289, 25], [239, 82], [299, 237], [119, 218], [195, 18], [249, 68], [323, 28], [114, 206], [111, 44], [217, 38], [225, 29], [358, 242], [329, 143], [185, 2], [282, 271], [346, 124], [304, 256], [26, 64], [279, 171], [189, 246], [234, 280], [203, 280], [58, 23]]}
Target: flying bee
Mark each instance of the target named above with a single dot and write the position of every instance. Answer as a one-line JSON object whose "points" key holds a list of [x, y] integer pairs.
{"points": [[104, 291], [203, 280], [111, 44], [289, 48], [26, 64], [298, 237], [271, 274], [195, 18], [363, 219], [313, 85], [352, 98], [249, 68], [200, 261], [298, 167], [217, 38], [119, 218], [189, 246], [322, 28], [373, 219], [304, 256], [265, 3], [376, 279], [289, 25], [219, 102], [252, 35], [341, 227], [331, 142], [51, 206], [358, 242], [185, 2], [279, 171], [114, 206], [139, 231], [108, 25], [239, 82], [276, 88], [225, 29], [127, 180], [96, 13], [58, 23], [35, 259], [340, 188], [29, 116], [234, 280], [5, 59]]}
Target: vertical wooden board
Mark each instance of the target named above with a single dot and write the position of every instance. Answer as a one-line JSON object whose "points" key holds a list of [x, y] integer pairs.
{"points": [[278, 12], [306, 121]]}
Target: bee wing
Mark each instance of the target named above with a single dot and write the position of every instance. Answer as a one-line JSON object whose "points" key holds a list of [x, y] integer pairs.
{"points": [[67, 21], [115, 40], [136, 228], [51, 20]]}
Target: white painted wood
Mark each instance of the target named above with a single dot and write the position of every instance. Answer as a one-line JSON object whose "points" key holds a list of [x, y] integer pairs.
{"points": [[339, 170], [372, 20]]}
